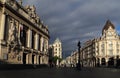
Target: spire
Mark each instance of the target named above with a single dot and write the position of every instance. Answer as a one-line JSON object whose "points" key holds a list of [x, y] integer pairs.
{"points": [[107, 25]]}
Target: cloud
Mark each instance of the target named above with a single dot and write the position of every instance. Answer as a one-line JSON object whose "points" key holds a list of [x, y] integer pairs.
{"points": [[74, 20]]}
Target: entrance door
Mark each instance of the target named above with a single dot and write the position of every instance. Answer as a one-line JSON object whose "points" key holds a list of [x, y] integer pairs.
{"points": [[24, 58], [33, 59]]}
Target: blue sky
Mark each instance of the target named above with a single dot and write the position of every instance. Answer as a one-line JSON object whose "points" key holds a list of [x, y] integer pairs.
{"points": [[118, 27], [74, 20]]}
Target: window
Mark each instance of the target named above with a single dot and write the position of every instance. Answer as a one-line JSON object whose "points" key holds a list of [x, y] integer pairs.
{"points": [[110, 52], [103, 52], [117, 51], [102, 45], [109, 34], [33, 39], [117, 45], [110, 45]]}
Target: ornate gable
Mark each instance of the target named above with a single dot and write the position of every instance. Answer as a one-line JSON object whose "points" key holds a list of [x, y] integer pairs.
{"points": [[107, 25]]}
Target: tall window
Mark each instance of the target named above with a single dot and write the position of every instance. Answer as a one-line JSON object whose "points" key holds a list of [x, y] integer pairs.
{"points": [[23, 35], [111, 52], [38, 42], [33, 39], [117, 45], [102, 46], [117, 51], [110, 45], [102, 49]]}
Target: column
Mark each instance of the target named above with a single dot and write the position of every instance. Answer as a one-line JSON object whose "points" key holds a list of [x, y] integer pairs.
{"points": [[27, 59], [100, 61], [2, 26], [107, 59], [30, 58], [42, 44], [37, 59], [19, 30], [36, 41], [41, 60], [46, 45], [29, 38]]}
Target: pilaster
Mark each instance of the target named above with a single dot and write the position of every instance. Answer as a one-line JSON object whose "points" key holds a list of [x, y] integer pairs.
{"points": [[29, 38], [2, 27], [42, 44], [36, 41]]}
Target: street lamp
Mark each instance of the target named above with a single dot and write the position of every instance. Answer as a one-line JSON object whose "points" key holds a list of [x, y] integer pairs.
{"points": [[78, 64]]}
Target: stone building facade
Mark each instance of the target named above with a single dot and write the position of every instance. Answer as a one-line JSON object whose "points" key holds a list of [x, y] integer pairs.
{"points": [[23, 37], [55, 50], [103, 51]]}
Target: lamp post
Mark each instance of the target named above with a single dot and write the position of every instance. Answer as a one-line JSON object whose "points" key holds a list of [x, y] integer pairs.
{"points": [[78, 64]]}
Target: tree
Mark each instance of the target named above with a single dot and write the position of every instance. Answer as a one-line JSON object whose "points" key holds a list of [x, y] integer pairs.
{"points": [[55, 58]]}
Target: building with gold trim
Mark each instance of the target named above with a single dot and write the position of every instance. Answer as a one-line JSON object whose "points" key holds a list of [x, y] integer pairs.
{"points": [[23, 37]]}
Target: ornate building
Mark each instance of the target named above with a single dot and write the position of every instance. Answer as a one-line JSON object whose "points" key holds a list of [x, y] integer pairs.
{"points": [[55, 50], [23, 37], [103, 51]]}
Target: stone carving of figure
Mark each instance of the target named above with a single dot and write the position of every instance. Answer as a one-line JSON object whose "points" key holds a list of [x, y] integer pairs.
{"points": [[11, 31], [13, 40], [33, 14], [20, 2]]}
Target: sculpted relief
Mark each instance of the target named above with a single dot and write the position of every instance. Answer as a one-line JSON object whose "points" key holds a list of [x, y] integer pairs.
{"points": [[13, 39]]}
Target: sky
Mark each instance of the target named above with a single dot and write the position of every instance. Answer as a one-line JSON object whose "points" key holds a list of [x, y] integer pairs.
{"points": [[76, 20]]}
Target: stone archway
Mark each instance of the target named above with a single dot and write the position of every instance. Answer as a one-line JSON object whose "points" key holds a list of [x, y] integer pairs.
{"points": [[111, 61], [117, 61], [103, 61]]}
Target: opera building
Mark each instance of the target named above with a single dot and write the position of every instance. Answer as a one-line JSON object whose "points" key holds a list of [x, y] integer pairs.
{"points": [[23, 37]]}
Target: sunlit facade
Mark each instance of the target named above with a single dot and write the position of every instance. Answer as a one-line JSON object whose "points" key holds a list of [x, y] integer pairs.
{"points": [[57, 51], [23, 37], [103, 51]]}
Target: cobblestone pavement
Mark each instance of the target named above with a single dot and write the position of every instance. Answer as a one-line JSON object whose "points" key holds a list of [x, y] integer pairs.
{"points": [[61, 73]]}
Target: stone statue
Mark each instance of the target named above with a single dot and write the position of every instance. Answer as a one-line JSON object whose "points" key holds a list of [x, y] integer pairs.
{"points": [[20, 2]]}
